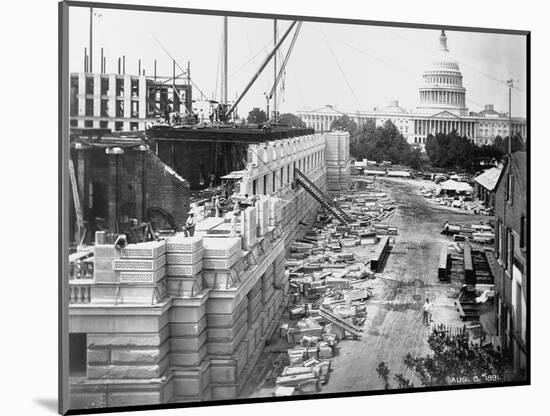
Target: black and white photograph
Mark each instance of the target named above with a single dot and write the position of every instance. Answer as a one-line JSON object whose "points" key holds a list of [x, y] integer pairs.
{"points": [[264, 207]]}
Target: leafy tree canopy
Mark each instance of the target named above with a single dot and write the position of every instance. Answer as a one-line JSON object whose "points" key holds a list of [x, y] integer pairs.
{"points": [[453, 151], [518, 145], [345, 123], [385, 143], [256, 115], [453, 357], [291, 120]]}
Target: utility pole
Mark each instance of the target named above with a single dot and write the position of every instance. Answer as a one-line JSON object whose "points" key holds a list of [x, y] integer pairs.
{"points": [[510, 84], [188, 91], [224, 72], [262, 67], [91, 36], [274, 72]]}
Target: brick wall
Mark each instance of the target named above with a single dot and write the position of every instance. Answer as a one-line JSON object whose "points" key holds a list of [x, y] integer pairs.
{"points": [[99, 187], [166, 189], [196, 160]]}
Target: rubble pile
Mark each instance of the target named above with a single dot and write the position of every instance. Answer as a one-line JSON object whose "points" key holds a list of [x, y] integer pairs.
{"points": [[463, 202], [328, 270], [482, 233], [365, 203]]}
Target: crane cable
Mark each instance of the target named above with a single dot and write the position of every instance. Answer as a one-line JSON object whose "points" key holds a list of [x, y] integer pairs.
{"points": [[343, 73], [218, 69], [177, 64], [460, 62], [393, 66], [250, 60]]}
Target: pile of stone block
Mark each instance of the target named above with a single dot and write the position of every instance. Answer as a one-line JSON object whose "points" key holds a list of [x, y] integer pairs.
{"points": [[262, 217], [306, 377], [221, 253], [184, 264], [141, 262], [138, 269], [104, 254], [249, 227], [309, 354], [207, 225]]}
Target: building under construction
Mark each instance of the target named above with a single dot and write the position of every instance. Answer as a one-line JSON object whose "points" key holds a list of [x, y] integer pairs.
{"points": [[171, 317], [185, 318], [124, 102]]}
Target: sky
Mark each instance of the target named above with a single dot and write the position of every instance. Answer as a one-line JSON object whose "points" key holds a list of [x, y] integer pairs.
{"points": [[352, 67]]}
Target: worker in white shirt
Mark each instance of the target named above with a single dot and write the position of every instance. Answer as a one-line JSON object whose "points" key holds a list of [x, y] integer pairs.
{"points": [[427, 312], [234, 217], [218, 207], [189, 228]]}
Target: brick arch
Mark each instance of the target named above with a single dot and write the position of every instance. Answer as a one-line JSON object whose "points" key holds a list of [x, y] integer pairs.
{"points": [[154, 214]]}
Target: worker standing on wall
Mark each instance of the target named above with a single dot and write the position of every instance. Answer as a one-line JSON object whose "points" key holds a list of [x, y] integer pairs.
{"points": [[233, 232], [189, 228], [218, 207]]}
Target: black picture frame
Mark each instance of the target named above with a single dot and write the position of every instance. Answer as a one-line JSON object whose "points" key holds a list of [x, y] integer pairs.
{"points": [[64, 195]]}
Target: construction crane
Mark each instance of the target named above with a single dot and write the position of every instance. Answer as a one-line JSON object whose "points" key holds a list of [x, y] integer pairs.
{"points": [[81, 229], [283, 67], [260, 70]]}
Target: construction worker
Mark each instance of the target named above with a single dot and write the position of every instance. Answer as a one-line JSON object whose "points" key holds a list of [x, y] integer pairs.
{"points": [[189, 228], [233, 232], [211, 115], [196, 115], [427, 312], [245, 203], [218, 207]]}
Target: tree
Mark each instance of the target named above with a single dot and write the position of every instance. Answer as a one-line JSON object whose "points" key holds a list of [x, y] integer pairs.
{"points": [[381, 143], [359, 147], [416, 161], [291, 120], [345, 123], [454, 151], [518, 145], [454, 358], [257, 115]]}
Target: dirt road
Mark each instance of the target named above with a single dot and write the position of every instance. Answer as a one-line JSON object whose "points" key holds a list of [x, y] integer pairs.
{"points": [[394, 324]]}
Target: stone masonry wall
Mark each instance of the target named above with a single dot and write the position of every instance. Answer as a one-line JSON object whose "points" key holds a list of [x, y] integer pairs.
{"points": [[214, 303]]}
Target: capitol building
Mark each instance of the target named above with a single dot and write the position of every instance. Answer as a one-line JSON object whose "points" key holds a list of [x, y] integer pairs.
{"points": [[441, 109]]}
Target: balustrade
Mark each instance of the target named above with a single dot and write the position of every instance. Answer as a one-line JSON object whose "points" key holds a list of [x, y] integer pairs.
{"points": [[81, 277], [80, 291]]}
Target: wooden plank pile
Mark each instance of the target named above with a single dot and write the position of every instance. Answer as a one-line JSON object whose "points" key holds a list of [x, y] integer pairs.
{"points": [[479, 233], [444, 265], [469, 272], [380, 254]]}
